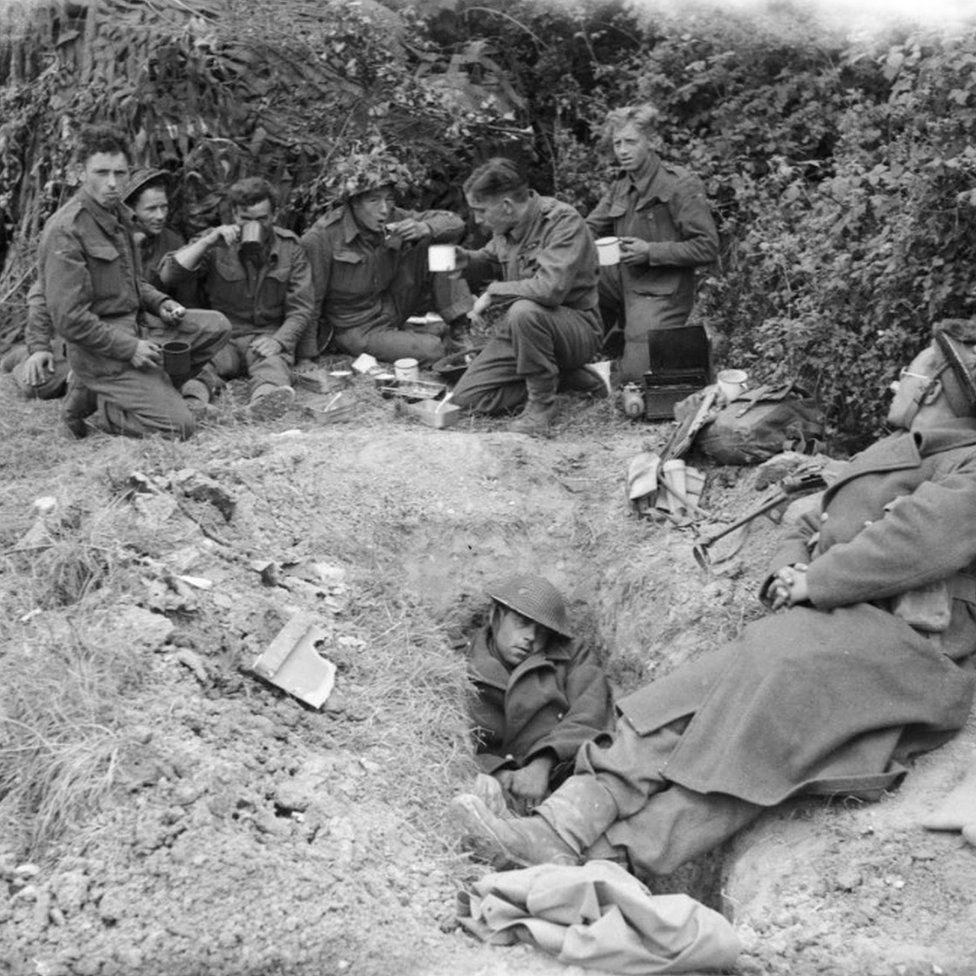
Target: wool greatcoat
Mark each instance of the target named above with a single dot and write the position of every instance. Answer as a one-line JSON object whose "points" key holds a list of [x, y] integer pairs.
{"points": [[550, 703], [828, 697], [665, 205]]}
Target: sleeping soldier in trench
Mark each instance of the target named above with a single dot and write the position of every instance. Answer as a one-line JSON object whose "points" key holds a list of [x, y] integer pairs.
{"points": [[866, 658], [537, 694]]}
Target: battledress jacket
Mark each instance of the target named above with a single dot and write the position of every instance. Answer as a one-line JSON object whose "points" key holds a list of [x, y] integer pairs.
{"points": [[276, 301], [39, 332], [549, 257], [352, 276], [830, 697], [665, 205], [550, 703], [91, 276]]}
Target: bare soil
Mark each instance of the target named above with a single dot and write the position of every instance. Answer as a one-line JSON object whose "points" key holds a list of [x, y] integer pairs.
{"points": [[237, 831]]}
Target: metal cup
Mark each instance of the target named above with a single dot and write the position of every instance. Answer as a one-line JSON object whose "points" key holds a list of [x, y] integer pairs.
{"points": [[176, 361], [608, 250]]}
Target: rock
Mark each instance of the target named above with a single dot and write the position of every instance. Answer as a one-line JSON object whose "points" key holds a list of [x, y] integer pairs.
{"points": [[25, 871], [187, 793], [141, 628], [848, 879], [42, 910], [293, 796], [203, 489], [154, 510], [193, 661], [140, 734], [70, 890], [45, 505], [969, 833], [112, 906]]}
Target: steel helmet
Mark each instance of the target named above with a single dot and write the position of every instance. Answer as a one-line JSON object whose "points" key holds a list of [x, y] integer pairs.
{"points": [[533, 597], [956, 340], [142, 178], [362, 170]]}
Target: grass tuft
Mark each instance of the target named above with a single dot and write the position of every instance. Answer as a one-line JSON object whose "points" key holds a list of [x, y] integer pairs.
{"points": [[61, 709]]}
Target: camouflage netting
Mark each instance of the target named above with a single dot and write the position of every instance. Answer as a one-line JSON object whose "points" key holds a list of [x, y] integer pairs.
{"points": [[212, 90]]}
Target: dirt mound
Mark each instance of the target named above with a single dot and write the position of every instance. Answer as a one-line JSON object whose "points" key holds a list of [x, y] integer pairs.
{"points": [[238, 831]]}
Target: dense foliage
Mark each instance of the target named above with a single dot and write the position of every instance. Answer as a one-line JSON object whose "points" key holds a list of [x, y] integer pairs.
{"points": [[841, 172]]}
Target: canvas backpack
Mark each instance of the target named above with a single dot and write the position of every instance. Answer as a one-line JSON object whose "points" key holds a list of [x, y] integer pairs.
{"points": [[758, 424]]}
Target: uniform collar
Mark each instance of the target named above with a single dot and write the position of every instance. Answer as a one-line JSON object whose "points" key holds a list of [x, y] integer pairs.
{"points": [[642, 178], [109, 220], [529, 221], [488, 669], [352, 229], [906, 449]]}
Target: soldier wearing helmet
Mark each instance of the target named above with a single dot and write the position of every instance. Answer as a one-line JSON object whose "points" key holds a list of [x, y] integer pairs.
{"points": [[537, 696], [866, 659], [369, 268]]}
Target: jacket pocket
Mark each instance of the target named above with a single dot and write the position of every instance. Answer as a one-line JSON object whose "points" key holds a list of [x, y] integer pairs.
{"points": [[656, 281], [106, 272], [350, 274]]}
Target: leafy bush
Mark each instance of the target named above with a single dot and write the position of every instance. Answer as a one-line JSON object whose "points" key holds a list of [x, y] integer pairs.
{"points": [[840, 172]]}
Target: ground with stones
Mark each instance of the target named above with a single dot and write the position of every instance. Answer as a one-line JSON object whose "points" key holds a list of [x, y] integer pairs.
{"points": [[242, 832]]}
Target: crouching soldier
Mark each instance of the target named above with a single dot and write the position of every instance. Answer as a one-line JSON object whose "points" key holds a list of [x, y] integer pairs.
{"points": [[91, 276], [537, 694], [370, 271], [543, 301], [255, 273]]}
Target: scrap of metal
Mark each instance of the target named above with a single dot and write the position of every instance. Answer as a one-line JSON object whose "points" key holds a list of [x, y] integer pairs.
{"points": [[292, 663]]}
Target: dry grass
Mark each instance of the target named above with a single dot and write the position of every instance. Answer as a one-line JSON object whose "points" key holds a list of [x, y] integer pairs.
{"points": [[61, 711]]}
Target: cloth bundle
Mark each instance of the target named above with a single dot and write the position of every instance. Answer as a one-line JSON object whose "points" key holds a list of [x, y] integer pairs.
{"points": [[598, 916], [670, 490]]}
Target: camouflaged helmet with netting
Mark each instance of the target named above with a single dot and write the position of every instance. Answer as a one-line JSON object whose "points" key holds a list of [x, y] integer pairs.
{"points": [[362, 170], [533, 597]]}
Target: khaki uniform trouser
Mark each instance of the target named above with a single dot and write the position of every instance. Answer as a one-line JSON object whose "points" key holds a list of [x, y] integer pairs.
{"points": [[55, 382], [531, 346], [237, 359], [138, 402], [414, 291], [659, 824]]}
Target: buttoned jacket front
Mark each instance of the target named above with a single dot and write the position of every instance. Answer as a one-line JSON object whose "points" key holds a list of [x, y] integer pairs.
{"points": [[91, 276], [666, 206], [276, 299], [353, 269]]}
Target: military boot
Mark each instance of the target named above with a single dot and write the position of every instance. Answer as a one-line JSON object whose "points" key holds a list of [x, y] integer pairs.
{"points": [[562, 828], [79, 403], [540, 409], [509, 840]]}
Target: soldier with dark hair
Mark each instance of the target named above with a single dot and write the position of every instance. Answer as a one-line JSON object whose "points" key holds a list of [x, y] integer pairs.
{"points": [[542, 301], [90, 273], [256, 274], [370, 270], [40, 367], [537, 694], [869, 661]]}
